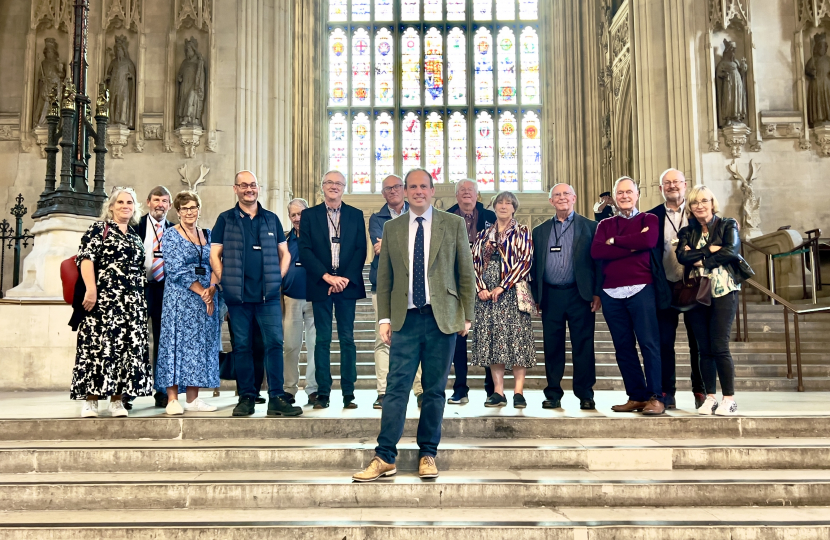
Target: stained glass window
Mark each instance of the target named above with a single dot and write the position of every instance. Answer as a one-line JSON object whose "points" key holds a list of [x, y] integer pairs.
{"points": [[434, 68], [339, 144], [433, 10], [338, 68], [360, 10], [410, 68], [361, 67], [483, 53], [531, 152], [454, 86], [456, 67], [384, 148], [507, 66], [530, 66], [411, 142], [508, 152], [361, 154], [485, 156], [434, 153], [458, 147], [384, 68]]}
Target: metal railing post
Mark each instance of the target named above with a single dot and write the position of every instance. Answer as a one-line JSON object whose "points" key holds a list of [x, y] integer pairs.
{"points": [[787, 334], [798, 353], [771, 277], [813, 275]]}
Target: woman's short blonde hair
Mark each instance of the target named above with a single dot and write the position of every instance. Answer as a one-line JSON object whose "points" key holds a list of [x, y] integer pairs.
{"points": [[697, 193], [505, 196], [106, 212], [184, 197]]}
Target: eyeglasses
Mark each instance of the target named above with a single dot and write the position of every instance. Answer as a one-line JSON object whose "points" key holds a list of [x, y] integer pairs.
{"points": [[674, 183], [189, 210], [252, 185], [699, 202], [566, 194], [329, 183], [628, 193], [390, 189]]}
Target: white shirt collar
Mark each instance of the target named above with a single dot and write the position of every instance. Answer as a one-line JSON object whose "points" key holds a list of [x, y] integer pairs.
{"points": [[427, 215], [153, 221]]}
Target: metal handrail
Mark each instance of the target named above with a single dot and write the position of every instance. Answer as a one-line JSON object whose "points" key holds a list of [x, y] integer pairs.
{"points": [[787, 307], [808, 247]]}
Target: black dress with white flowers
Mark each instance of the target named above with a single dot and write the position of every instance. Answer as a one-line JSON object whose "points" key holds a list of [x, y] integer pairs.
{"points": [[113, 356]]}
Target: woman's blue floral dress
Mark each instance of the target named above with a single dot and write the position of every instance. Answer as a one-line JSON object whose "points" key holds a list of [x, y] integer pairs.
{"points": [[190, 340]]}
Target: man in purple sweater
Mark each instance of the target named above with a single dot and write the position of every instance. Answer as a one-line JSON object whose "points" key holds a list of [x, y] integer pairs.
{"points": [[623, 243]]}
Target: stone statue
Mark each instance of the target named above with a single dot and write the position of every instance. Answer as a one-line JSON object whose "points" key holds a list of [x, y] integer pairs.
{"points": [[192, 82], [51, 74], [730, 81], [818, 88], [751, 206], [121, 84]]}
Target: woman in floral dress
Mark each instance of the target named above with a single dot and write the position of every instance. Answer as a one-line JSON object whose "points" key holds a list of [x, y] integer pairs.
{"points": [[112, 357]]}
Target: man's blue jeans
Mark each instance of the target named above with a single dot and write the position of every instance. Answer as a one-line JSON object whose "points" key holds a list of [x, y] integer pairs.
{"points": [[268, 316], [344, 311], [419, 341]]}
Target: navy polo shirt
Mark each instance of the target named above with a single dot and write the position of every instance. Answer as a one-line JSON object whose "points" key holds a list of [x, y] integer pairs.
{"points": [[293, 283]]}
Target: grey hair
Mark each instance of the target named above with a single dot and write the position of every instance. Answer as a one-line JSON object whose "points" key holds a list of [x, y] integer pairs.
{"points": [[621, 179], [550, 193], [106, 212], [236, 178], [418, 169], [508, 196], [333, 171], [667, 171], [458, 184], [298, 202]]}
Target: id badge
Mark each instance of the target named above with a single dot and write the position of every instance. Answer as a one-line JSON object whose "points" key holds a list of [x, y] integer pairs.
{"points": [[556, 249], [335, 239], [675, 241], [201, 271], [298, 263], [257, 248], [157, 254]]}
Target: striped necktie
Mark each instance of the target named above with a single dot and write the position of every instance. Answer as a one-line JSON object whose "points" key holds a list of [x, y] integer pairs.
{"points": [[157, 268]]}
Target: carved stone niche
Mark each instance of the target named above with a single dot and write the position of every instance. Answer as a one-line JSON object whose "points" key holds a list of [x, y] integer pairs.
{"points": [[781, 124]]}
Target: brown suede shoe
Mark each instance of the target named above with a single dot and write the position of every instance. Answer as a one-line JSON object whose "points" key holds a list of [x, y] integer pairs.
{"points": [[427, 467], [654, 407], [377, 468], [629, 406]]}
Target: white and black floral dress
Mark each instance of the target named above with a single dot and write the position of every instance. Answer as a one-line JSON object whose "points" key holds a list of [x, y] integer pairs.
{"points": [[113, 356]]}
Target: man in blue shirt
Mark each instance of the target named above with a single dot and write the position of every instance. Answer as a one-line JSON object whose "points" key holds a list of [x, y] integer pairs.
{"points": [[249, 256]]}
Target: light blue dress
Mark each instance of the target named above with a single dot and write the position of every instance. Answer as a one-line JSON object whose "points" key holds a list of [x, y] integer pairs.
{"points": [[190, 340]]}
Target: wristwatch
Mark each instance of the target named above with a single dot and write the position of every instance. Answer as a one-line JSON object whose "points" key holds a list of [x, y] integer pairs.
{"points": [[611, 240]]}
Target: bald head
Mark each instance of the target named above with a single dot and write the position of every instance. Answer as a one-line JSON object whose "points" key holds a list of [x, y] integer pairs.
{"points": [[673, 187]]}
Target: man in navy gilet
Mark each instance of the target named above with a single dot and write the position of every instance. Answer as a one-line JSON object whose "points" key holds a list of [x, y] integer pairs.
{"points": [[249, 255]]}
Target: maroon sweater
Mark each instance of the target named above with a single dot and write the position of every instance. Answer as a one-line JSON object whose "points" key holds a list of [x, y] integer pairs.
{"points": [[627, 262]]}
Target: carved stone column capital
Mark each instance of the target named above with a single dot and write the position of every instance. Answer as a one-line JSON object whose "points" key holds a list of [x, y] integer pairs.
{"points": [[822, 135], [117, 137], [189, 138], [735, 137]]}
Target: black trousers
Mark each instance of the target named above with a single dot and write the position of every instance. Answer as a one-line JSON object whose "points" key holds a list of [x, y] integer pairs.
{"points": [[154, 293], [667, 322], [459, 362], [561, 306], [258, 350], [712, 326]]}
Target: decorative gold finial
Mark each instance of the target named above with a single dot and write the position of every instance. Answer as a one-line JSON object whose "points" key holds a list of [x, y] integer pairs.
{"points": [[54, 102], [68, 97], [102, 104]]}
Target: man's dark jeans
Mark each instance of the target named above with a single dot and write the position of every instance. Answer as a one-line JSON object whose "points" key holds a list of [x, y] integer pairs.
{"points": [[419, 341], [668, 320], [459, 361], [712, 326], [268, 316], [344, 312], [633, 321]]}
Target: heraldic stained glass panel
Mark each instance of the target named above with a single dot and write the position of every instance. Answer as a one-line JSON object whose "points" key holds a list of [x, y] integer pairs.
{"points": [[383, 10], [531, 152], [456, 67], [339, 144], [361, 154], [434, 68], [338, 68], [530, 66], [384, 68], [485, 155], [434, 153], [483, 10], [456, 10], [411, 142], [528, 10], [410, 10], [507, 66], [361, 10], [361, 67], [505, 10], [433, 10], [508, 152], [338, 10], [384, 148], [458, 147], [410, 68], [483, 53]]}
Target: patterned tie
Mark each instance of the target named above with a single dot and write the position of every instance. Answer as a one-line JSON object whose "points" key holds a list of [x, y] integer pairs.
{"points": [[157, 268], [419, 290]]}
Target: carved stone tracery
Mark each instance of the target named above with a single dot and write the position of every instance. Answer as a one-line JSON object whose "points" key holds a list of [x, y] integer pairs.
{"points": [[124, 14], [722, 13], [194, 13], [53, 14]]}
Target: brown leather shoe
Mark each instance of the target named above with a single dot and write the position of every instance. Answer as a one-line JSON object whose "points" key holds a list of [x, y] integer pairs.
{"points": [[654, 407], [629, 406], [377, 468], [427, 467]]}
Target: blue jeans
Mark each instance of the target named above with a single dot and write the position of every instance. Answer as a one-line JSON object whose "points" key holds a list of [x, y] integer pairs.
{"points": [[268, 316], [631, 321], [344, 311], [419, 342]]}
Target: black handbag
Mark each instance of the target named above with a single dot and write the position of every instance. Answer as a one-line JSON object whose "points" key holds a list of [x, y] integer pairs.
{"points": [[691, 292]]}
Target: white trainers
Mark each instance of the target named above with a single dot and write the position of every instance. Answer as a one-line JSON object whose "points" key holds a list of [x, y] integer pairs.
{"points": [[727, 407], [174, 407], [117, 409], [197, 405], [90, 409], [709, 406]]}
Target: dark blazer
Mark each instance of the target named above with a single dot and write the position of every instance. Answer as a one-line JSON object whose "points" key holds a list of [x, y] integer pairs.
{"points": [[315, 251], [141, 229], [662, 292], [723, 232], [587, 270], [485, 217]]}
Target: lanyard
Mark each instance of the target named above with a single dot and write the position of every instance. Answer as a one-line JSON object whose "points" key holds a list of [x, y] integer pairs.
{"points": [[200, 244], [333, 226], [558, 236]]}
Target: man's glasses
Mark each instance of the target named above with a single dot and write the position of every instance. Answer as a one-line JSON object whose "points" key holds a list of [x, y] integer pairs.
{"points": [[252, 185], [390, 189], [329, 183], [674, 183]]}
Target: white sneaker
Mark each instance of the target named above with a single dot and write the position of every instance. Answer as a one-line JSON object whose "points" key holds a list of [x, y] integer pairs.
{"points": [[197, 405], [117, 409], [90, 409], [174, 407], [709, 406], [728, 407]]}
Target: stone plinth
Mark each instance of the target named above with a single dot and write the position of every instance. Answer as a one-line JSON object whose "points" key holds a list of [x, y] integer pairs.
{"points": [[117, 137], [189, 138]]}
